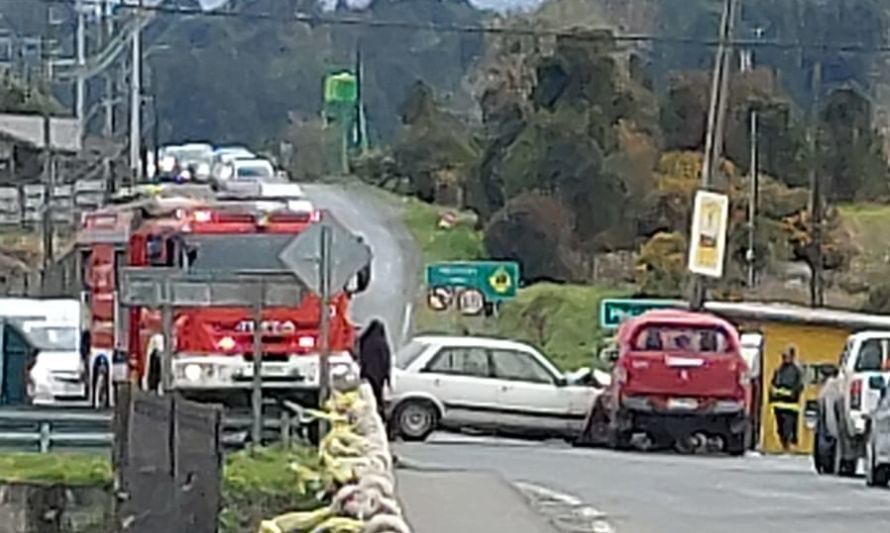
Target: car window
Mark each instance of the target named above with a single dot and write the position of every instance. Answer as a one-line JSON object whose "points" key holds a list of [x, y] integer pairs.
{"points": [[409, 353], [519, 366], [463, 361], [871, 356]]}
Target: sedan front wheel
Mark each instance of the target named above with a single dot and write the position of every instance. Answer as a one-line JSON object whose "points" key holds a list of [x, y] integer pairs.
{"points": [[416, 419]]}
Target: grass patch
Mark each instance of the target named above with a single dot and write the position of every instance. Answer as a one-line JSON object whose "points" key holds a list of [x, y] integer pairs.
{"points": [[260, 486], [255, 486], [462, 242], [867, 225], [561, 320], [56, 468]]}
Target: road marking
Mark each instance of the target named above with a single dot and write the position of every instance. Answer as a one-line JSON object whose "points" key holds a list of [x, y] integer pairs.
{"points": [[565, 511]]}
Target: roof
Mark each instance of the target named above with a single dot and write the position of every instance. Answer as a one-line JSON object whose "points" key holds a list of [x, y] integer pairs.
{"points": [[799, 314], [458, 340]]}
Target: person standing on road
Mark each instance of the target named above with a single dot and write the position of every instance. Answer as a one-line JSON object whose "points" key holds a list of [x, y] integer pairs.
{"points": [[375, 360], [784, 396]]}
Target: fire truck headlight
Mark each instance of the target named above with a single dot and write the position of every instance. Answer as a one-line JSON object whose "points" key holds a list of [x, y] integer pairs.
{"points": [[226, 344], [306, 342], [193, 372]]}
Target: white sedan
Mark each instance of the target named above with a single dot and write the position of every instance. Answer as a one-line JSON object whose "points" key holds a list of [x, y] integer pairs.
{"points": [[487, 384]]}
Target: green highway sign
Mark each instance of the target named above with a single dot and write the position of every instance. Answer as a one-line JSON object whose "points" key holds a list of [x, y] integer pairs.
{"points": [[614, 311], [496, 280]]}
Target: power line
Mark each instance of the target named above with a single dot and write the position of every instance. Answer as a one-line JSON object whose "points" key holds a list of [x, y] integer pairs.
{"points": [[326, 20]]}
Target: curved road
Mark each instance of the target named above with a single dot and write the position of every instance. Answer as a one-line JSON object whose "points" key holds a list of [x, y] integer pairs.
{"points": [[395, 263], [664, 493]]}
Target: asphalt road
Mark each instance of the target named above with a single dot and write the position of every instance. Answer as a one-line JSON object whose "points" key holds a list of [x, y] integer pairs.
{"points": [[666, 493], [395, 263]]}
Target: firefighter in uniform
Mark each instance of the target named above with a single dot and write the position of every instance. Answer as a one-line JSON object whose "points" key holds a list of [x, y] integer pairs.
{"points": [[784, 396]]}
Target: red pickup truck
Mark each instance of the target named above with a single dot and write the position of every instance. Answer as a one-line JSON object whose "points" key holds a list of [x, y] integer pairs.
{"points": [[679, 379]]}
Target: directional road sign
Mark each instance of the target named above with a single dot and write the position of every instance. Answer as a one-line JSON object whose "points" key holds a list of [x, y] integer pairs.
{"points": [[614, 311], [496, 280], [347, 254]]}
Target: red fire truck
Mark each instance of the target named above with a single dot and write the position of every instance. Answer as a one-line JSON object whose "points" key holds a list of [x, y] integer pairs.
{"points": [[212, 346]]}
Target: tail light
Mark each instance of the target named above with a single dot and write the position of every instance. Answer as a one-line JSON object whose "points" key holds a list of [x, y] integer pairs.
{"points": [[856, 394], [316, 216]]}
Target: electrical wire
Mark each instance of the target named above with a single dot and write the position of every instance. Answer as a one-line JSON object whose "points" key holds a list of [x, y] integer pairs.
{"points": [[591, 35]]}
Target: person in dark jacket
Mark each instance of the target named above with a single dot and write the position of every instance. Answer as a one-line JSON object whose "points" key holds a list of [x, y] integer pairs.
{"points": [[375, 360], [784, 396]]}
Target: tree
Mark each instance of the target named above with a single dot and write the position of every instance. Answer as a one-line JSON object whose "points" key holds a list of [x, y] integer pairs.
{"points": [[534, 230]]}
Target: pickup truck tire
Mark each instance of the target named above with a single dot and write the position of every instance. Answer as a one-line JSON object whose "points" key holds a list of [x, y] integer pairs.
{"points": [[737, 443], [823, 449], [876, 475], [842, 465]]}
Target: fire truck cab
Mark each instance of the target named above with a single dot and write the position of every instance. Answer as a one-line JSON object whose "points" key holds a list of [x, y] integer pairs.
{"points": [[212, 346]]}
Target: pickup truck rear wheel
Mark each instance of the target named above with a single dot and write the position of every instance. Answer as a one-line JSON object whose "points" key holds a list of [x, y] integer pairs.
{"points": [[823, 449], [842, 465], [876, 475]]}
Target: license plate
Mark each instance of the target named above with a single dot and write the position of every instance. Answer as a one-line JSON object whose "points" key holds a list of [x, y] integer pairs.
{"points": [[682, 403], [267, 371]]}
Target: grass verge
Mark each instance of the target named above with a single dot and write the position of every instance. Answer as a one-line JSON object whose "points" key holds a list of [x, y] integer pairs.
{"points": [[462, 242], [56, 468], [255, 486], [560, 320]]}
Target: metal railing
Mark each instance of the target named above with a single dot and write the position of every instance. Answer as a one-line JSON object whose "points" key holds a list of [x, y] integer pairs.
{"points": [[47, 429]]}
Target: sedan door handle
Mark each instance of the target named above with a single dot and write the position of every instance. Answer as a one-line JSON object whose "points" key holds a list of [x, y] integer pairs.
{"points": [[437, 382], [505, 388]]}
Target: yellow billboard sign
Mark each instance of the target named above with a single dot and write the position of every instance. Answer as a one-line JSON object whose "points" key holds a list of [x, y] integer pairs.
{"points": [[707, 243]]}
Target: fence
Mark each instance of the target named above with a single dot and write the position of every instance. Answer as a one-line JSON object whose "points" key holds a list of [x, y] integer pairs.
{"points": [[23, 205], [168, 460], [46, 429]]}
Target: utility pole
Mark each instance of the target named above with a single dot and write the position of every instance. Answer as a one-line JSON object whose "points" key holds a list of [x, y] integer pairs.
{"points": [[752, 202], [817, 297], [80, 46], [48, 167], [716, 123], [751, 257], [136, 103]]}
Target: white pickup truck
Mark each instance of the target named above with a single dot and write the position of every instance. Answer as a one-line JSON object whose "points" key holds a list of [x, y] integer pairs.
{"points": [[846, 402]]}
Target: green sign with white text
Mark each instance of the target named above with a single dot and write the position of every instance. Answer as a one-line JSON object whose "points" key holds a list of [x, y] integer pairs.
{"points": [[496, 280], [614, 311]]}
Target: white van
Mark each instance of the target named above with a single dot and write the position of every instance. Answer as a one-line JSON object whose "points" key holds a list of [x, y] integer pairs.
{"points": [[54, 327]]}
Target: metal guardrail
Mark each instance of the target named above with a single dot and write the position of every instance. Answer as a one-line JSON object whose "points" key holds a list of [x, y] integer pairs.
{"points": [[46, 429]]}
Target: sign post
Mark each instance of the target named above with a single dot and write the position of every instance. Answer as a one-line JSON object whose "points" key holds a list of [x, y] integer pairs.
{"points": [[324, 277], [325, 257], [256, 398]]}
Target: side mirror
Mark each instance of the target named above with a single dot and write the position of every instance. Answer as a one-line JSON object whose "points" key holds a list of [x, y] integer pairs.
{"points": [[877, 383], [562, 381]]}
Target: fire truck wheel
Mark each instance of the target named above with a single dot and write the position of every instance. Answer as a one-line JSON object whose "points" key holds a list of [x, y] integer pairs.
{"points": [[101, 376]]}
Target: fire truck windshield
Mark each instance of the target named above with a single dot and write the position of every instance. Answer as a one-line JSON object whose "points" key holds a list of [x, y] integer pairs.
{"points": [[230, 253]]}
